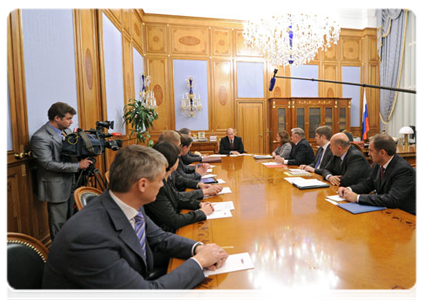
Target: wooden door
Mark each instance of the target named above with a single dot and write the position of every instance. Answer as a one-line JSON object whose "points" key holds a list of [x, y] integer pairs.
{"points": [[250, 126]]}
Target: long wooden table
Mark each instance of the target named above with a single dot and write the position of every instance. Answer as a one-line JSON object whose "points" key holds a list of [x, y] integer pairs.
{"points": [[298, 239]]}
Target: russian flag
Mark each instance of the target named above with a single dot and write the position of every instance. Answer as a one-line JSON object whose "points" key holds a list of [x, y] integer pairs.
{"points": [[366, 126]]}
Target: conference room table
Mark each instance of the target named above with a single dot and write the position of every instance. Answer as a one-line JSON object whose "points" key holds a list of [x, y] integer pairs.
{"points": [[298, 239]]}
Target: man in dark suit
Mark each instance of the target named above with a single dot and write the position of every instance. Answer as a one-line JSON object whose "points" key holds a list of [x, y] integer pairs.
{"points": [[323, 154], [193, 171], [231, 144], [109, 243], [55, 174], [190, 158], [348, 165], [393, 179], [301, 152]]}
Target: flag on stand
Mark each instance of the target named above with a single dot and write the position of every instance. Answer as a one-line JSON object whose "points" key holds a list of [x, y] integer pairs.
{"points": [[365, 124]]}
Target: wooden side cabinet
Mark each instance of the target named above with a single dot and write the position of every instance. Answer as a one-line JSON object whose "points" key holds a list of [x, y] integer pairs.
{"points": [[308, 114]]}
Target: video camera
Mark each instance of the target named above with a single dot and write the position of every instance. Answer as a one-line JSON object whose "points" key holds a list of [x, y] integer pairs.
{"points": [[90, 143]]}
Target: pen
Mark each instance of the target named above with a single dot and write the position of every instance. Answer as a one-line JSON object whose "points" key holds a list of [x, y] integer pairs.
{"points": [[242, 260]]}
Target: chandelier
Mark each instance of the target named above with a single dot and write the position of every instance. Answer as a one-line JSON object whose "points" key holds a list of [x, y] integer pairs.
{"points": [[147, 97], [292, 39], [190, 102]]}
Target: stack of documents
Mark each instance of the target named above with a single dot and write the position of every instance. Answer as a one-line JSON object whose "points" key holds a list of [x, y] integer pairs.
{"points": [[226, 205], [334, 199], [208, 176], [218, 214], [304, 184], [263, 156], [235, 262], [297, 172], [272, 164]]}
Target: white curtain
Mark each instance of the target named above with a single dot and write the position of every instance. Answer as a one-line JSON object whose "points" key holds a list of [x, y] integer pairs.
{"points": [[405, 109]]}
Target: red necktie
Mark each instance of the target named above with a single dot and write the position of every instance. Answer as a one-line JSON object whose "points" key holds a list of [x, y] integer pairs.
{"points": [[232, 144], [382, 172]]}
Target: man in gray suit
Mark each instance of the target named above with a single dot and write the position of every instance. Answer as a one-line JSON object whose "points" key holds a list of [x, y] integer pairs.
{"points": [[55, 173], [109, 244]]}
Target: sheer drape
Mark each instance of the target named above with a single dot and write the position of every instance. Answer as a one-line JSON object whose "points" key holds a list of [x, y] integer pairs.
{"points": [[404, 112]]}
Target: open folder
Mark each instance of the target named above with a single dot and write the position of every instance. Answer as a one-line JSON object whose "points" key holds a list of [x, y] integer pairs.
{"points": [[309, 184]]}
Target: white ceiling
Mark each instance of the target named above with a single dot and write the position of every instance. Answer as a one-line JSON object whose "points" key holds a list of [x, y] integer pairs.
{"points": [[357, 18]]}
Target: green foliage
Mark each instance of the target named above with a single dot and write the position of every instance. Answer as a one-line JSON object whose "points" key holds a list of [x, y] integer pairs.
{"points": [[140, 117]]}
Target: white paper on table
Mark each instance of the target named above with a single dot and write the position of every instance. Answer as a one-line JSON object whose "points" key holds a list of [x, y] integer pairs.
{"points": [[291, 180], [211, 166], [234, 262], [335, 198], [208, 176], [220, 181], [271, 163], [225, 190], [218, 214], [209, 170], [294, 171], [226, 205], [333, 202], [234, 155], [263, 156], [217, 155]]}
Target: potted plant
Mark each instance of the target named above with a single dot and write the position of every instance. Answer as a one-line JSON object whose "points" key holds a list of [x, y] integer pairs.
{"points": [[142, 113]]}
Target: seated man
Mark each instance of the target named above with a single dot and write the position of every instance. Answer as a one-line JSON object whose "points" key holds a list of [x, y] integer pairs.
{"points": [[231, 144], [301, 152], [392, 177], [193, 172], [189, 158], [109, 243], [323, 154], [181, 183], [348, 165]]}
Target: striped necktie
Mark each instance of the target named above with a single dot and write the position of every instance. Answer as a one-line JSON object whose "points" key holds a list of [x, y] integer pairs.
{"points": [[319, 158], [140, 231]]}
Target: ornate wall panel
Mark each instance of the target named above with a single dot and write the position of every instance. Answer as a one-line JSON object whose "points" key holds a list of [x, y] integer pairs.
{"points": [[156, 38], [222, 102], [241, 49], [137, 32], [189, 40], [332, 53], [350, 48], [157, 69], [222, 42], [126, 18], [330, 72]]}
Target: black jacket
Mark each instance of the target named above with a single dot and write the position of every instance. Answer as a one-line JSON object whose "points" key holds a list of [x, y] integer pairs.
{"points": [[324, 161], [301, 154], [225, 145]]}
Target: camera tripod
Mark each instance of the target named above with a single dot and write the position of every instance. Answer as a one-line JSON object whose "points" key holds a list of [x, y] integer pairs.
{"points": [[91, 176]]}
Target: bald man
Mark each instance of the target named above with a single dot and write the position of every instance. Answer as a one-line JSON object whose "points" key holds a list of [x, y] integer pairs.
{"points": [[231, 144], [348, 165]]}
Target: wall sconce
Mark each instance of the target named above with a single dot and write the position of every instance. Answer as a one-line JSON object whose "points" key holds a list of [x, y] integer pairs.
{"points": [[190, 102], [406, 130]]}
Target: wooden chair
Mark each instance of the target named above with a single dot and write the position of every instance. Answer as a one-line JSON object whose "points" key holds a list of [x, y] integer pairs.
{"points": [[26, 257], [85, 194], [107, 176]]}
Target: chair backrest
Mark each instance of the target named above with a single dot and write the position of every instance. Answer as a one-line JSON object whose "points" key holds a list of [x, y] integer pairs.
{"points": [[107, 175], [85, 194], [26, 258]]}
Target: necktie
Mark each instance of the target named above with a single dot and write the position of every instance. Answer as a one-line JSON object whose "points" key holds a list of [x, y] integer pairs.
{"points": [[64, 133], [232, 144], [319, 158], [140, 231], [382, 172]]}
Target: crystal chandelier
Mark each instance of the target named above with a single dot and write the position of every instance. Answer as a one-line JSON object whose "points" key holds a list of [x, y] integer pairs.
{"points": [[147, 97], [190, 102], [292, 39]]}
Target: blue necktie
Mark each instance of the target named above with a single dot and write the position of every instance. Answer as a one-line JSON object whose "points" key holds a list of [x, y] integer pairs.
{"points": [[319, 157], [140, 231]]}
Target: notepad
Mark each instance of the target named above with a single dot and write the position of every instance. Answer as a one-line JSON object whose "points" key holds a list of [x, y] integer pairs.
{"points": [[220, 180], [271, 163], [208, 176], [357, 208], [226, 205], [234, 262], [218, 214], [335, 198], [310, 184], [263, 156], [225, 190]]}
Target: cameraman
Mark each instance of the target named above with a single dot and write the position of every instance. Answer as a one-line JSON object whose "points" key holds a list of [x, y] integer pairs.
{"points": [[55, 173]]}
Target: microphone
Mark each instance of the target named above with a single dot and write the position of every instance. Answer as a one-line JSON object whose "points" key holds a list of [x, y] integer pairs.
{"points": [[273, 80]]}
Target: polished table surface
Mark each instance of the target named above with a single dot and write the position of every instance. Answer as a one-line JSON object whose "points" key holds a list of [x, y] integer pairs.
{"points": [[298, 239]]}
